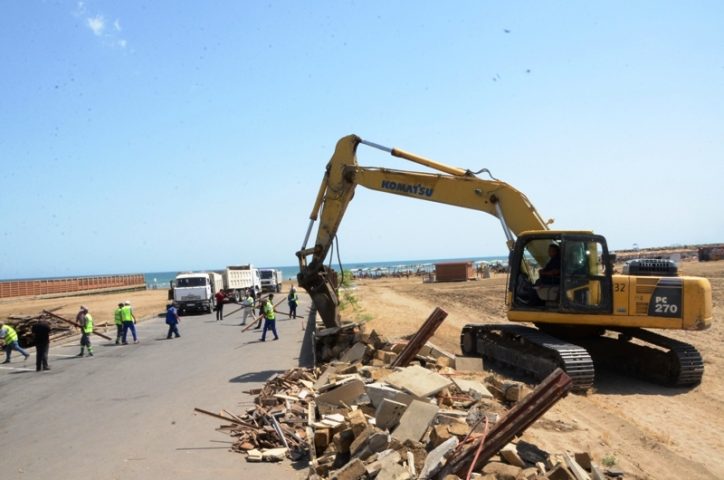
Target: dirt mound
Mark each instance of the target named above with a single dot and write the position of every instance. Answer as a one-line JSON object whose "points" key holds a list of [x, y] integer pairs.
{"points": [[652, 431]]}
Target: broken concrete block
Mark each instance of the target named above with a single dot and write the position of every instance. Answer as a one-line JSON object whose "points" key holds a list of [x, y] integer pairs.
{"points": [[583, 459], [560, 472], [394, 472], [439, 434], [385, 459], [353, 470], [468, 364], [343, 440], [575, 468], [355, 354], [474, 388], [346, 394], [530, 473], [357, 421], [274, 454], [254, 456], [436, 458], [411, 464], [459, 429], [502, 471], [379, 441], [377, 391], [596, 472], [321, 439], [388, 414], [360, 440], [415, 420], [418, 381], [510, 455]]}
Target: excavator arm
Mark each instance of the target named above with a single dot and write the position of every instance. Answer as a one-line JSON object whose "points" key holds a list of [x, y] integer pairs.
{"points": [[452, 186]]}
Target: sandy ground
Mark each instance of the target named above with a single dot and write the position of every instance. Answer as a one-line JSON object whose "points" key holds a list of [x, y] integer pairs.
{"points": [[649, 431], [146, 303]]}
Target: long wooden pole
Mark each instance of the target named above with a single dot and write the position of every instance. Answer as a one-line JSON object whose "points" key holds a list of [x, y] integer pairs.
{"points": [[73, 323]]}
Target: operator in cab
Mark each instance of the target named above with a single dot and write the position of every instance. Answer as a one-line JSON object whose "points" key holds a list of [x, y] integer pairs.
{"points": [[550, 274]]}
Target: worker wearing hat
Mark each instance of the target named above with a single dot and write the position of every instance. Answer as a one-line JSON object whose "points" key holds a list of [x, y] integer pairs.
{"points": [[10, 337], [129, 322], [85, 321]]}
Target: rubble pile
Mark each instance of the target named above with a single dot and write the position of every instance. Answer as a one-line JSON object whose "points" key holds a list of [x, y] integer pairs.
{"points": [[23, 325], [358, 417]]}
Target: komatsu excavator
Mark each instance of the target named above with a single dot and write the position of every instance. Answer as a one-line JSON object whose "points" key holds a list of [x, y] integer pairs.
{"points": [[585, 314]]}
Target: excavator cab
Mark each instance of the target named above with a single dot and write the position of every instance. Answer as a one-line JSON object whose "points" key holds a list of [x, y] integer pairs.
{"points": [[578, 281]]}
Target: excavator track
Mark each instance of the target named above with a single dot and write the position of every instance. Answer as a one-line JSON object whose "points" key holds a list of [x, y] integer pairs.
{"points": [[662, 360], [528, 349]]}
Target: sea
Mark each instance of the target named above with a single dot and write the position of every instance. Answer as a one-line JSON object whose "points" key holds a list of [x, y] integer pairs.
{"points": [[162, 279]]}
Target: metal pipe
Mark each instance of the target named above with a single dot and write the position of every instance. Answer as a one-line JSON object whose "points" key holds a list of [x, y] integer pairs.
{"points": [[506, 230], [306, 237], [396, 152]]}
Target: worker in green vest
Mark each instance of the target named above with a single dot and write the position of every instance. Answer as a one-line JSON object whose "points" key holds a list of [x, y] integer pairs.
{"points": [[118, 317], [85, 320], [10, 338], [293, 300], [129, 322], [270, 318]]}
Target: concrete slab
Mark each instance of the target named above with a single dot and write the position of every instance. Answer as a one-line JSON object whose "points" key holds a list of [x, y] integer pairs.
{"points": [[468, 364], [418, 381], [473, 387], [346, 394], [355, 353], [388, 414], [435, 458], [418, 416]]}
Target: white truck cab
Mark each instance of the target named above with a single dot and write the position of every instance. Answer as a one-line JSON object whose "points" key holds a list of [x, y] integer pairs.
{"points": [[271, 280], [195, 291]]}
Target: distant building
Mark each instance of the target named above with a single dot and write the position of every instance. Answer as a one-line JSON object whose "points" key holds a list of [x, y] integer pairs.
{"points": [[454, 272]]}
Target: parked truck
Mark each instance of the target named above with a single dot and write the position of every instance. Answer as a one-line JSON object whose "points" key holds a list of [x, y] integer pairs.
{"points": [[271, 280], [237, 279], [195, 291]]}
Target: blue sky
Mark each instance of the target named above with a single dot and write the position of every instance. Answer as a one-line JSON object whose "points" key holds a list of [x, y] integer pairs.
{"points": [[151, 136]]}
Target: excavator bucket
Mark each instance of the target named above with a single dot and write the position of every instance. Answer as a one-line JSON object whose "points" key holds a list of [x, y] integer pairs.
{"points": [[321, 286]]}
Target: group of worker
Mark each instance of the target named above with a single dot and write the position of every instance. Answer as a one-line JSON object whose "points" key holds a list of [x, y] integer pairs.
{"points": [[125, 320], [266, 310]]}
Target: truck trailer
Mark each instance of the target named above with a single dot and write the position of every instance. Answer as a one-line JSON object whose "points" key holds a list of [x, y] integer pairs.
{"points": [[237, 279]]}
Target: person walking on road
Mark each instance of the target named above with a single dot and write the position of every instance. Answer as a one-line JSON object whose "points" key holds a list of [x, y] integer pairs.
{"points": [[85, 320], [269, 318], [10, 337], [293, 300], [118, 316], [247, 308], [172, 320], [129, 323], [41, 336], [220, 297]]}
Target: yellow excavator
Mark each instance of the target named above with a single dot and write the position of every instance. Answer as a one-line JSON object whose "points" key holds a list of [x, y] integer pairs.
{"points": [[561, 281]]}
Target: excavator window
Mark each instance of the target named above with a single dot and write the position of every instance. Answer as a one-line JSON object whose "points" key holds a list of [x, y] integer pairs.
{"points": [[575, 281], [585, 282]]}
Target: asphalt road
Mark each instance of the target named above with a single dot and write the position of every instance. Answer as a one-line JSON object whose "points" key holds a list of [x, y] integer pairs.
{"points": [[127, 412]]}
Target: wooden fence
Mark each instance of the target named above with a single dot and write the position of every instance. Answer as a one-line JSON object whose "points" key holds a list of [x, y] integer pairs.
{"points": [[27, 288]]}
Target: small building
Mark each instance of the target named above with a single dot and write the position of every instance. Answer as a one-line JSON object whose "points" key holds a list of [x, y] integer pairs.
{"points": [[454, 272]]}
